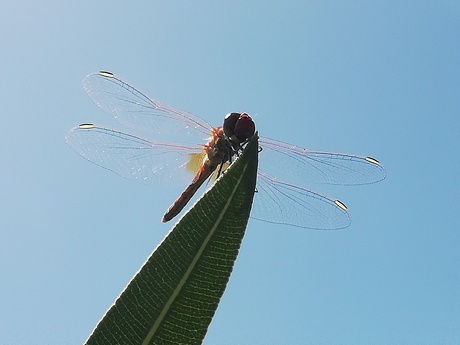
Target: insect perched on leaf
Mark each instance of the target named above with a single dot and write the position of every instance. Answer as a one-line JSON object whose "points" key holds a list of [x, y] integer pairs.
{"points": [[173, 145]]}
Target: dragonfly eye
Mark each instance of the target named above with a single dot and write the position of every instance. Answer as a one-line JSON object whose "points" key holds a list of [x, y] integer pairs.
{"points": [[229, 124], [244, 127], [239, 126]]}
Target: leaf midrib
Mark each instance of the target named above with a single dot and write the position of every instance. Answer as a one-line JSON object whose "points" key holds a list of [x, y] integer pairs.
{"points": [[191, 267]]}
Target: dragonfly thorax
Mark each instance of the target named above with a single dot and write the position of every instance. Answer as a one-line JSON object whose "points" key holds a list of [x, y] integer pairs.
{"points": [[219, 149]]}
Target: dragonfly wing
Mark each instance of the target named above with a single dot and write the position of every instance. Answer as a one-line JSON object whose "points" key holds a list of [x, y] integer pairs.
{"points": [[135, 109], [283, 203], [130, 156], [299, 165]]}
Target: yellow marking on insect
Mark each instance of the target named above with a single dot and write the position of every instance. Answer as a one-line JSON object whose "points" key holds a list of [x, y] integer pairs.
{"points": [[106, 74], [86, 126], [372, 160], [195, 162], [340, 204]]}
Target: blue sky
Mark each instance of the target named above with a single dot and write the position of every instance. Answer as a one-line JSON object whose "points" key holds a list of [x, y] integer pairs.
{"points": [[378, 79]]}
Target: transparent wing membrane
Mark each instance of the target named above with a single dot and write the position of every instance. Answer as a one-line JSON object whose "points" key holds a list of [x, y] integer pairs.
{"points": [[283, 203], [135, 109], [132, 157], [300, 165]]}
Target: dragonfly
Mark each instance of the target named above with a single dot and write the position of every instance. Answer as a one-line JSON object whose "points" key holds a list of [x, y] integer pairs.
{"points": [[166, 145]]}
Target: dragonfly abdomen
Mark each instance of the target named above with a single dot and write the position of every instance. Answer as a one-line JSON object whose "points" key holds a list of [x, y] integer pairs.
{"points": [[202, 175]]}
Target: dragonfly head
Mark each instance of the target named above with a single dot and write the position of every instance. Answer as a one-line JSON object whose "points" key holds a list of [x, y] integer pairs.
{"points": [[238, 127]]}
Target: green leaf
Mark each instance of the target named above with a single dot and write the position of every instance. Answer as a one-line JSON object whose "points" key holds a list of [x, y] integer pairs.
{"points": [[174, 296]]}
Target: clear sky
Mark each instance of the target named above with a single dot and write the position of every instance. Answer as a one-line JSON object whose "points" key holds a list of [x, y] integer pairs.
{"points": [[374, 78]]}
